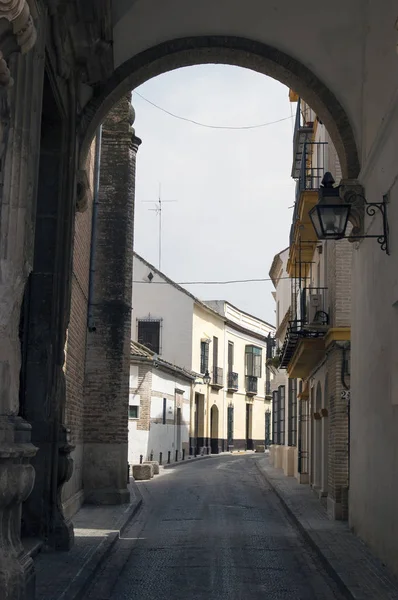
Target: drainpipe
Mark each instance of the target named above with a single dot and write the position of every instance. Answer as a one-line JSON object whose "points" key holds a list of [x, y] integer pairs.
{"points": [[97, 169]]}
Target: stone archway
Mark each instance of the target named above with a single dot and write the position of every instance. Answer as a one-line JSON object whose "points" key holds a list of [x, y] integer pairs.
{"points": [[231, 50], [214, 429]]}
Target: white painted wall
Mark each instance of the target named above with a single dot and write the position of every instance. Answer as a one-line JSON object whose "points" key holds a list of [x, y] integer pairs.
{"points": [[133, 377], [160, 437], [280, 25], [283, 289], [174, 307], [137, 443]]}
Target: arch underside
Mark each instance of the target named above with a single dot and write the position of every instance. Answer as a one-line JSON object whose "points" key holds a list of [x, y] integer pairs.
{"points": [[229, 50]]}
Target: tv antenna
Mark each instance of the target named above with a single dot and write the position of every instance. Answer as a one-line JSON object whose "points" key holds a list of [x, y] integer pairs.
{"points": [[158, 209]]}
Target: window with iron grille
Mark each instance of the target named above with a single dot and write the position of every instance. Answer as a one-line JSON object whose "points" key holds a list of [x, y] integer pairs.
{"points": [[204, 357], [253, 361], [164, 416], [134, 412], [281, 402], [275, 418], [267, 428], [292, 413], [149, 334], [230, 357], [215, 351]]}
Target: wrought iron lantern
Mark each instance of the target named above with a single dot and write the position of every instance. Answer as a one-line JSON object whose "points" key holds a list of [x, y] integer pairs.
{"points": [[206, 378], [331, 215]]}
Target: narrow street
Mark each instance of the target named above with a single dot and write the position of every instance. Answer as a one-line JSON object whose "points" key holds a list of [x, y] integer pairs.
{"points": [[213, 529]]}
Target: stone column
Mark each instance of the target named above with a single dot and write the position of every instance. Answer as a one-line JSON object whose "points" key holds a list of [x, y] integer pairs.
{"points": [[109, 335], [19, 143]]}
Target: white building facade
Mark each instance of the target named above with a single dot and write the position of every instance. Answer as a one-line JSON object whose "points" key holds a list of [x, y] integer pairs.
{"points": [[159, 408], [225, 347]]}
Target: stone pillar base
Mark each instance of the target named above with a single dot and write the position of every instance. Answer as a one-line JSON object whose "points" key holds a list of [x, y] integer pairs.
{"points": [[279, 457], [336, 510], [303, 478], [289, 460], [104, 474], [17, 576]]}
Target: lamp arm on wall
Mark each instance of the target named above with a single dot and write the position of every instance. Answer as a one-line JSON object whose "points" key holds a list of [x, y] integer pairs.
{"points": [[359, 207]]}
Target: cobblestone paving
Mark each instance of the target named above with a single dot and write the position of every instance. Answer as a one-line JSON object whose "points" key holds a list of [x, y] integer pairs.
{"points": [[212, 530]]}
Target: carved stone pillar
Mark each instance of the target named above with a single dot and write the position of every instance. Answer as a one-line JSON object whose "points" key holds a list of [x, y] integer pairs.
{"points": [[108, 339], [17, 580], [46, 320], [19, 34], [19, 142]]}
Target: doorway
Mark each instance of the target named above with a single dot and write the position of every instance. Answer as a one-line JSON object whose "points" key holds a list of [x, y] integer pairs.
{"points": [[249, 426], [214, 430]]}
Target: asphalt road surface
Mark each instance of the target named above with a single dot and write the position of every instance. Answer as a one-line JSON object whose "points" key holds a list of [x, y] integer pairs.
{"points": [[212, 530]]}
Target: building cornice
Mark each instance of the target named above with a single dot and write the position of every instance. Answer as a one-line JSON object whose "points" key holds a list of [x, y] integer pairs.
{"points": [[248, 332]]}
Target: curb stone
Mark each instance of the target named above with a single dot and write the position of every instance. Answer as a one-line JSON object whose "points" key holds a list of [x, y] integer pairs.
{"points": [[328, 566], [81, 581]]}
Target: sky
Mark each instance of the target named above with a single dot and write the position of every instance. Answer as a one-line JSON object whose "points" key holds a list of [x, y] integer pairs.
{"points": [[232, 189]]}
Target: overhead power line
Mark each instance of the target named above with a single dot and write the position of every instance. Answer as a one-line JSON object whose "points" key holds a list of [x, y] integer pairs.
{"points": [[210, 282], [206, 124]]}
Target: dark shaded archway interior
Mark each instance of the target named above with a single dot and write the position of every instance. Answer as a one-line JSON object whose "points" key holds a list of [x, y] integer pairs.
{"points": [[229, 50]]}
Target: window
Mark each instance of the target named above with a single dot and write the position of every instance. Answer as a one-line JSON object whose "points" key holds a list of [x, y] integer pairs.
{"points": [[215, 352], [275, 418], [253, 361], [292, 413], [281, 402], [204, 357], [267, 381], [134, 412], [230, 357], [164, 411], [149, 334]]}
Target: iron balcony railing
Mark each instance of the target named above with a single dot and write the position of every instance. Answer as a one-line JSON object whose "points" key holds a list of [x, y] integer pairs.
{"points": [[309, 175], [302, 134], [312, 166], [311, 320], [232, 381], [251, 384], [218, 376]]}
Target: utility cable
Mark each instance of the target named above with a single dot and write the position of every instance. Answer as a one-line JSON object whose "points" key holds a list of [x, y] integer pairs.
{"points": [[210, 282], [244, 127]]}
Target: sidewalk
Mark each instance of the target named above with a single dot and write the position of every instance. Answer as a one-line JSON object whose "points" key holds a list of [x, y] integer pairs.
{"points": [[66, 575], [348, 560]]}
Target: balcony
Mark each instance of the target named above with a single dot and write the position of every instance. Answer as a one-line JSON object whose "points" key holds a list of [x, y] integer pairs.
{"points": [[251, 385], [303, 239], [217, 378], [302, 135], [232, 382], [304, 341]]}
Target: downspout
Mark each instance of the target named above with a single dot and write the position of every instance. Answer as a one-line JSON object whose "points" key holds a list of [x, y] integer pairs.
{"points": [[97, 170]]}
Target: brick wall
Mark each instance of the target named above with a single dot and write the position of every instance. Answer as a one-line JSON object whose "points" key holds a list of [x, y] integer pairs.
{"points": [[144, 390], [108, 343], [338, 452], [339, 264], [75, 348]]}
